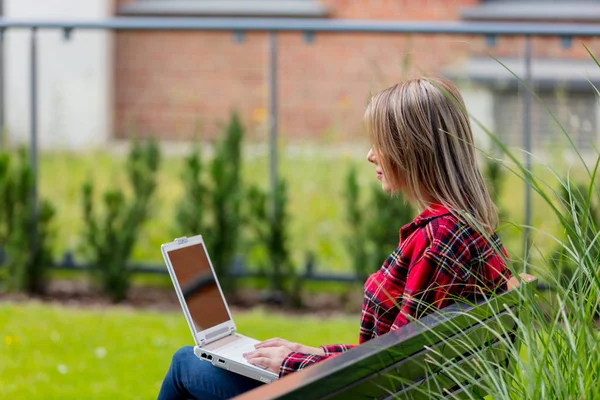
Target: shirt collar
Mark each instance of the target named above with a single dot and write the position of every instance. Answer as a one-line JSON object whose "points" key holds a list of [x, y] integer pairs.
{"points": [[435, 210]]}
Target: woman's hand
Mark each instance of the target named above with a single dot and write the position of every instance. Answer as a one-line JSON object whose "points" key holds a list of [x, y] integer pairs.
{"points": [[269, 358], [293, 347]]}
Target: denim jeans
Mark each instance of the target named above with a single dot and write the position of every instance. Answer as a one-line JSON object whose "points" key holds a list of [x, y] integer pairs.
{"points": [[191, 378]]}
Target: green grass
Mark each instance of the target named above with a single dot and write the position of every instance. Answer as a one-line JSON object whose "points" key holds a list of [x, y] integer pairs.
{"points": [[316, 193], [55, 352]]}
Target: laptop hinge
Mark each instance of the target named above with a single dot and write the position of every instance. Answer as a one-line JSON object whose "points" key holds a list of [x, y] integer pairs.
{"points": [[210, 338]]}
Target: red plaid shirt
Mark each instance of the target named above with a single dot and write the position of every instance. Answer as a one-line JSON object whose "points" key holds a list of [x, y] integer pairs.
{"points": [[439, 257]]}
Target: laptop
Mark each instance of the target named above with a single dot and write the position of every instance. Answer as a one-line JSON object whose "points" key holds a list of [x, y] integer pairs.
{"points": [[206, 310]]}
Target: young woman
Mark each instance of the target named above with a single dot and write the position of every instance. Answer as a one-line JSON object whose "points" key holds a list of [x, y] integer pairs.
{"points": [[422, 147]]}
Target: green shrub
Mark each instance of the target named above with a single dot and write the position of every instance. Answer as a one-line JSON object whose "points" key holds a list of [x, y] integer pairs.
{"points": [[110, 235], [214, 209], [494, 176], [374, 228], [356, 242], [190, 212], [268, 217], [385, 215], [25, 227]]}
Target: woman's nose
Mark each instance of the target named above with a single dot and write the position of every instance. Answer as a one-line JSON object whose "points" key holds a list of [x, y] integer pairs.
{"points": [[371, 156]]}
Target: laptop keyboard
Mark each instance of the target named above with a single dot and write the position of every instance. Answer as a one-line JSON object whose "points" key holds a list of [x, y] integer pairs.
{"points": [[234, 351]]}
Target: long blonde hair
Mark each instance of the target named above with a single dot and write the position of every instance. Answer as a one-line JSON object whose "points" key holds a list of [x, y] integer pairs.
{"points": [[421, 133]]}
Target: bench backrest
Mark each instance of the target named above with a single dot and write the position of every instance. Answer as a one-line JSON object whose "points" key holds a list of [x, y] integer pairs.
{"points": [[405, 362]]}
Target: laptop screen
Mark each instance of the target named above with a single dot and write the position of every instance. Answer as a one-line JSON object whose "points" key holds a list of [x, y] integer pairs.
{"points": [[198, 285]]}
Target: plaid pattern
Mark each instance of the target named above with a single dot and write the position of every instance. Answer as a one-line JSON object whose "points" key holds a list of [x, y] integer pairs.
{"points": [[439, 258]]}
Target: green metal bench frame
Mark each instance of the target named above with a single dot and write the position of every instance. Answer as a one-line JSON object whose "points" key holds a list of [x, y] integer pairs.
{"points": [[399, 364]]}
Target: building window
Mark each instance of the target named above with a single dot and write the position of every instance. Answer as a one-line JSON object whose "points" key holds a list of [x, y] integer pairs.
{"points": [[225, 8], [576, 111], [565, 86]]}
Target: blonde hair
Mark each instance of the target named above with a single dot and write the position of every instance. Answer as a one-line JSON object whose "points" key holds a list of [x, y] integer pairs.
{"points": [[421, 134]]}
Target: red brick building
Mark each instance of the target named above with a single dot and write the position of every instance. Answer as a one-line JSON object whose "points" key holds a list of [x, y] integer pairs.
{"points": [[167, 83]]}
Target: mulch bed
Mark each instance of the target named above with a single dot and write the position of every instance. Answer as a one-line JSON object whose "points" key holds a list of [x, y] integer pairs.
{"points": [[79, 293]]}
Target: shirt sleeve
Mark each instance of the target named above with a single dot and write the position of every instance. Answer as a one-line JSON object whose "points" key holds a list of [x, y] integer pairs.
{"points": [[429, 285], [337, 348], [297, 361]]}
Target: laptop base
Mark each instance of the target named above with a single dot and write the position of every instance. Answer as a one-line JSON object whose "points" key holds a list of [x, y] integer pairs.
{"points": [[256, 373]]}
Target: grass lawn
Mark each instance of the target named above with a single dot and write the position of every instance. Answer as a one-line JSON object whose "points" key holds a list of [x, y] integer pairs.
{"points": [[316, 200], [55, 352]]}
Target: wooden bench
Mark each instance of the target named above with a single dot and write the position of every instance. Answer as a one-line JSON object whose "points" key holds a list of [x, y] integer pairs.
{"points": [[394, 365]]}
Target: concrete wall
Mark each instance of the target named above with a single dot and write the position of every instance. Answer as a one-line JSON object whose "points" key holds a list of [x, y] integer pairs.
{"points": [[75, 78]]}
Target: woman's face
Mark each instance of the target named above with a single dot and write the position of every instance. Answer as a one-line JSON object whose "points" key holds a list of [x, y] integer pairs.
{"points": [[373, 158]]}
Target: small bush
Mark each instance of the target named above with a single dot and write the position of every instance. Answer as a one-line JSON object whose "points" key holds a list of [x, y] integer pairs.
{"points": [[25, 227], [374, 229], [214, 209], [357, 240], [494, 176], [268, 217], [110, 235], [190, 213]]}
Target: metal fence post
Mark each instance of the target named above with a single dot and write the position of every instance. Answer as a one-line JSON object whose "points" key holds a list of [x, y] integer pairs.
{"points": [[1, 78], [2, 100], [527, 99], [273, 119], [33, 153]]}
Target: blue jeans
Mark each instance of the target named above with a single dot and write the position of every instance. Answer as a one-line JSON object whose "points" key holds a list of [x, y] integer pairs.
{"points": [[191, 378]]}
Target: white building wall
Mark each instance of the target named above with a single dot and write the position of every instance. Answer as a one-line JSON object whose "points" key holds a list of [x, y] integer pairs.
{"points": [[480, 105], [74, 76]]}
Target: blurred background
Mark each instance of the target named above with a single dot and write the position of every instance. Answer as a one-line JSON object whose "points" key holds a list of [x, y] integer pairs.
{"points": [[127, 123]]}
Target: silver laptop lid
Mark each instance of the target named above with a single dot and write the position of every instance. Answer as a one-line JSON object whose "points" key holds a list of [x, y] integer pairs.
{"points": [[198, 289]]}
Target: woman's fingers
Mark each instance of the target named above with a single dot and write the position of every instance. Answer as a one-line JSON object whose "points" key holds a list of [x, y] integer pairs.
{"points": [[274, 342], [269, 358], [259, 353], [264, 363], [262, 360], [269, 342], [266, 343], [293, 347]]}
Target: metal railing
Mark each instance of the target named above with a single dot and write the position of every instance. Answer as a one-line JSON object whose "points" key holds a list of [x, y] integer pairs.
{"points": [[238, 270], [309, 27]]}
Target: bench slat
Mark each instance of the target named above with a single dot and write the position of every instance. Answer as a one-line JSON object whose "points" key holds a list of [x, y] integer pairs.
{"points": [[440, 382], [359, 364], [414, 368]]}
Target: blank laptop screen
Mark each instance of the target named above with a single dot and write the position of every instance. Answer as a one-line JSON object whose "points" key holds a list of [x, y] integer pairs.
{"points": [[198, 286]]}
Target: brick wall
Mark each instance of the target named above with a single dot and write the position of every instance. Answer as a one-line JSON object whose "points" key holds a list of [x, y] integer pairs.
{"points": [[167, 83], [418, 10]]}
